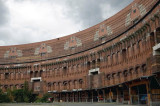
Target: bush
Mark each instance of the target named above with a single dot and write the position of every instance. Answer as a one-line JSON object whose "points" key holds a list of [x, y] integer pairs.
{"points": [[18, 95], [45, 97], [4, 98], [38, 100]]}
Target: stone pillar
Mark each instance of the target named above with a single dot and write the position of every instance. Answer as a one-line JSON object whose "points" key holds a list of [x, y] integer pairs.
{"points": [[98, 94], [104, 96], [67, 96], [156, 36], [148, 94], [130, 96], [92, 96], [60, 96], [73, 96], [86, 96], [110, 95], [117, 96], [79, 93]]}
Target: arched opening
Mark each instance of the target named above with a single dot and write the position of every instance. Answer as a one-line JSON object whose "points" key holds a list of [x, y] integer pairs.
{"points": [[108, 77], [125, 73], [144, 68], [41, 73], [49, 87], [158, 35], [75, 84], [124, 54], [54, 86], [31, 74], [88, 64], [65, 85], [6, 76], [93, 64], [152, 39], [64, 70], [59, 85], [98, 63], [80, 83]]}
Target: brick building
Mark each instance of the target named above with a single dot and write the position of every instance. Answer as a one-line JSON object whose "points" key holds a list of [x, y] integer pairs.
{"points": [[115, 60]]}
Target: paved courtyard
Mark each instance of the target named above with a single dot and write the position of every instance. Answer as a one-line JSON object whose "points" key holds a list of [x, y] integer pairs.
{"points": [[63, 104]]}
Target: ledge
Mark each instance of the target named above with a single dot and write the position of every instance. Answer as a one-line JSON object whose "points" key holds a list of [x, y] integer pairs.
{"points": [[156, 50]]}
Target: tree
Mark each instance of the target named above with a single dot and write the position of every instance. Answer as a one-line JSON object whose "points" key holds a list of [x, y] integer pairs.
{"points": [[4, 98], [18, 95], [23, 95], [45, 97]]}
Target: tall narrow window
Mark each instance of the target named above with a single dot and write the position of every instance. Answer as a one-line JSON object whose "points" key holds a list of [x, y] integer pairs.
{"points": [[124, 54]]}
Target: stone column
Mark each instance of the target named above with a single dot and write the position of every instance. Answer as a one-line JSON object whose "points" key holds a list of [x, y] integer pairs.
{"points": [[86, 96], [79, 96], [148, 94], [92, 96], [117, 96], [110, 95], [98, 94], [130, 96], [60, 96], [104, 96], [73, 96], [67, 97]]}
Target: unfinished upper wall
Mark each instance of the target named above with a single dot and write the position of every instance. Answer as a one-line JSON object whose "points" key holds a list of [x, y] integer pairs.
{"points": [[105, 31]]}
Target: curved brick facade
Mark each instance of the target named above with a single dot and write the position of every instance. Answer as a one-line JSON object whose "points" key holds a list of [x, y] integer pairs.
{"points": [[108, 59]]}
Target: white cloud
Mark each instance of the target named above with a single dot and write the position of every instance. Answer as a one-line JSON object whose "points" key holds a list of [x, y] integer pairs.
{"points": [[39, 20]]}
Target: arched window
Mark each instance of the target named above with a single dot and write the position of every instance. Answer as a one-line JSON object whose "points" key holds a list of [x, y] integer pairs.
{"points": [[158, 35], [144, 68], [124, 54], [108, 77], [80, 83], [125, 73], [54, 86], [65, 85]]}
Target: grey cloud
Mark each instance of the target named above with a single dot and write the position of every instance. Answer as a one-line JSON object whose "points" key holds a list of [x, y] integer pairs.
{"points": [[88, 12], [84, 12], [118, 5], [3, 13]]}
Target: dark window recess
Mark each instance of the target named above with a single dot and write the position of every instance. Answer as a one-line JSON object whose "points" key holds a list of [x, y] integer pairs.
{"points": [[102, 30], [103, 39], [135, 21], [42, 54], [37, 80], [95, 73], [72, 48], [12, 57], [134, 11], [65, 70], [6, 75], [124, 54], [108, 77]]}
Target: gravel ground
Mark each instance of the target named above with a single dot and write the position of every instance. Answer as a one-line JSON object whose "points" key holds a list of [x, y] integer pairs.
{"points": [[63, 104]]}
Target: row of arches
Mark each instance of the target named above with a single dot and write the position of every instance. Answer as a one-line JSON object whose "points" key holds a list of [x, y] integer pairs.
{"points": [[125, 75], [65, 85], [11, 87]]}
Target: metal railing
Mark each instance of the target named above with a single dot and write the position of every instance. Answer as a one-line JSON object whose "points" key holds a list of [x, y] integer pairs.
{"points": [[141, 99], [155, 99]]}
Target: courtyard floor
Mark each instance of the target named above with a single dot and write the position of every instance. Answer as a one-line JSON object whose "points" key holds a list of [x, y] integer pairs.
{"points": [[63, 104]]}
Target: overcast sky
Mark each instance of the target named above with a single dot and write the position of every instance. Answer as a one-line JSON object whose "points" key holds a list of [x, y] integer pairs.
{"points": [[27, 21]]}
